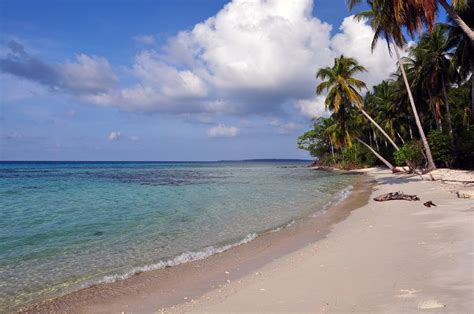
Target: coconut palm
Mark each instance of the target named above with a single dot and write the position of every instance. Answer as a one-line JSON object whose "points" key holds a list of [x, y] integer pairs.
{"points": [[436, 67], [421, 86], [388, 111], [414, 14], [383, 21], [343, 89], [463, 57], [455, 12]]}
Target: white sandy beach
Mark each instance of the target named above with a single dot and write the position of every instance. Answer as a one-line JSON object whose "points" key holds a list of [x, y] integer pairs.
{"points": [[394, 256]]}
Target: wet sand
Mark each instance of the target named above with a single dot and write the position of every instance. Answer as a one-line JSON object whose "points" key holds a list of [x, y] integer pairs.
{"points": [[165, 288], [386, 257]]}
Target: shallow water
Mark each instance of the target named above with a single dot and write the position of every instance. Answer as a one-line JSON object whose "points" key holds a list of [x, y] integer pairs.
{"points": [[64, 226]]}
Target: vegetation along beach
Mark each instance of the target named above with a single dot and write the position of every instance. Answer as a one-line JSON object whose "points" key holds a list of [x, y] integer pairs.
{"points": [[237, 156]]}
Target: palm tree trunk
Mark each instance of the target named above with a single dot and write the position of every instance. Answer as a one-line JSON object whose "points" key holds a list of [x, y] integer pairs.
{"points": [[458, 20], [332, 147], [401, 138], [379, 127], [376, 141], [472, 88], [435, 115], [389, 165], [448, 110], [431, 164]]}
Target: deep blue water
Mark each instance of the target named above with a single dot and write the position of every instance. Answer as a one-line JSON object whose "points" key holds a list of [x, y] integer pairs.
{"points": [[67, 225]]}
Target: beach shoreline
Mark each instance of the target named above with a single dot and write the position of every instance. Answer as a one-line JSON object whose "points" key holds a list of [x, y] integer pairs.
{"points": [[359, 255], [163, 288], [391, 257]]}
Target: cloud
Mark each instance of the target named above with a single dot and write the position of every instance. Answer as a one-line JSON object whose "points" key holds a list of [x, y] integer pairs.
{"points": [[284, 128], [355, 41], [115, 135], [87, 75], [145, 39], [223, 131], [251, 58], [255, 55], [313, 107], [20, 64]]}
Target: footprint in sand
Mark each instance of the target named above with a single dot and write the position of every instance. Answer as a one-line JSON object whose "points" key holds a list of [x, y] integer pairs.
{"points": [[430, 304]]}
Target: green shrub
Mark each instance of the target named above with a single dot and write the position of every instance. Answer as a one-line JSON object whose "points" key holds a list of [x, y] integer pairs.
{"points": [[410, 155], [329, 160], [357, 156], [440, 148]]}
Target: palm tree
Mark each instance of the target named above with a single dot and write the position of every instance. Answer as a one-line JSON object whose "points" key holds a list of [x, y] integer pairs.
{"points": [[455, 13], [343, 93], [463, 57], [421, 84], [385, 25], [387, 110], [343, 89], [436, 66], [413, 14]]}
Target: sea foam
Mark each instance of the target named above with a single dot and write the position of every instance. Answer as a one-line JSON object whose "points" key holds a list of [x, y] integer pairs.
{"points": [[177, 260], [339, 197]]}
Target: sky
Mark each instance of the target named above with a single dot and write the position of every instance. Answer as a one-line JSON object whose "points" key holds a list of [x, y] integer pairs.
{"points": [[170, 79]]}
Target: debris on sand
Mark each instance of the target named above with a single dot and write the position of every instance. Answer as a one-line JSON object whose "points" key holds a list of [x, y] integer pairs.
{"points": [[429, 204], [393, 196]]}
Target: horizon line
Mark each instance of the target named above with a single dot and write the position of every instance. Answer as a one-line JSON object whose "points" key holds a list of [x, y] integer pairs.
{"points": [[165, 161]]}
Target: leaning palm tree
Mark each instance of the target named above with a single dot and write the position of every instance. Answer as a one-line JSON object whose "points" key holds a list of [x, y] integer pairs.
{"points": [[457, 12], [343, 95], [383, 21], [343, 89]]}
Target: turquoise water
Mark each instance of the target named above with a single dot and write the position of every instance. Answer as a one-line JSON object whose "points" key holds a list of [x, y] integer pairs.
{"points": [[64, 226]]}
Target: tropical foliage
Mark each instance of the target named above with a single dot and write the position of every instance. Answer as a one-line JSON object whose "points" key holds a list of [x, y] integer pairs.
{"points": [[432, 93]]}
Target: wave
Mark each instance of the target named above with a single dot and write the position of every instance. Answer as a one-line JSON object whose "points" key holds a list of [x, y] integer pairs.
{"points": [[344, 193], [177, 260], [283, 227], [338, 198]]}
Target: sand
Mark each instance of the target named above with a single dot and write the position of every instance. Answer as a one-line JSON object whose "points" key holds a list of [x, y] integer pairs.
{"points": [[395, 256]]}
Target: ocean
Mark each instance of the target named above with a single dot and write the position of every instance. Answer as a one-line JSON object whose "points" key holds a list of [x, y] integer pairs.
{"points": [[69, 225]]}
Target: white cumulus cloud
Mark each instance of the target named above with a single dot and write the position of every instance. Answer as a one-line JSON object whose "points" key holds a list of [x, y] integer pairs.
{"points": [[312, 107], [284, 128], [252, 57], [88, 74], [223, 131], [355, 41], [115, 135]]}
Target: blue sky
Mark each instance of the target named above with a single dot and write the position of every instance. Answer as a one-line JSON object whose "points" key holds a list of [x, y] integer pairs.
{"points": [[169, 80]]}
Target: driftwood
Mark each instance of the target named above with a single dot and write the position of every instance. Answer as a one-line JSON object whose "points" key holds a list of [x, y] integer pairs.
{"points": [[429, 204], [396, 196]]}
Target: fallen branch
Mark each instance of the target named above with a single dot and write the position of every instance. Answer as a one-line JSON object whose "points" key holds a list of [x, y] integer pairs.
{"points": [[429, 204], [393, 196]]}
